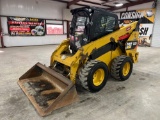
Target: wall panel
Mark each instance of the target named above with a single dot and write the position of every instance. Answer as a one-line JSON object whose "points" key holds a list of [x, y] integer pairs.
{"points": [[156, 30], [31, 8]]}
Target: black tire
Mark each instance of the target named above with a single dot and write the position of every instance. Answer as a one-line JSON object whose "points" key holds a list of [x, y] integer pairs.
{"points": [[118, 65], [87, 72]]}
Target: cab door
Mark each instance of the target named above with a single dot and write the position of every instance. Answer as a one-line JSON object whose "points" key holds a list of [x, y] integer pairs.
{"points": [[102, 25]]}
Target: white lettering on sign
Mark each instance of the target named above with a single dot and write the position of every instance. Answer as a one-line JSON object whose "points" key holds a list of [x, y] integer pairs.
{"points": [[129, 45], [134, 43], [131, 15]]}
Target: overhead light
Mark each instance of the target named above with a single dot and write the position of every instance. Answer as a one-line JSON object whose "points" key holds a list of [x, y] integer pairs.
{"points": [[119, 4]]}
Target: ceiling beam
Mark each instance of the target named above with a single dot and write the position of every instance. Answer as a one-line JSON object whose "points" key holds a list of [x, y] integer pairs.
{"points": [[81, 5], [73, 2], [67, 2], [130, 4], [96, 3], [129, 1], [105, 1], [60, 1]]}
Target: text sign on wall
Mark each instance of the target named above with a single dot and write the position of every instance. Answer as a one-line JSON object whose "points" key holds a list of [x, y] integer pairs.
{"points": [[147, 17], [24, 26], [145, 29], [131, 15], [54, 29]]}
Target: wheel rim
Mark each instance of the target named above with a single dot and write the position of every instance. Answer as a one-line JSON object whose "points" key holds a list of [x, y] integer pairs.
{"points": [[98, 77], [126, 68]]}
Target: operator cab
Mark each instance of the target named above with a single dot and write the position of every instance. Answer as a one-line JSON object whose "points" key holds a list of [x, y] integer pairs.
{"points": [[89, 24]]}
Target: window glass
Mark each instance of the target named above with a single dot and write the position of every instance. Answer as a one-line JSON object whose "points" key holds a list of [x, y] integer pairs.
{"points": [[107, 23], [102, 25], [80, 24], [110, 23]]}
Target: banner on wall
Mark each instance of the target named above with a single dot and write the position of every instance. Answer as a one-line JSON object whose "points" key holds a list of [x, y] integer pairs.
{"points": [[146, 27], [54, 29], [25, 26]]}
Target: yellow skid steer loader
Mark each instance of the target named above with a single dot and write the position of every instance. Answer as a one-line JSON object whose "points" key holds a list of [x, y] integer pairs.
{"points": [[97, 48]]}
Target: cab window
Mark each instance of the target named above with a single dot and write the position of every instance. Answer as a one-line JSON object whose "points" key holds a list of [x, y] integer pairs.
{"points": [[103, 25]]}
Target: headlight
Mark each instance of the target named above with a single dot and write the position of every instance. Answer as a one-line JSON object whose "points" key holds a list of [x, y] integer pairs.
{"points": [[149, 13], [63, 57]]}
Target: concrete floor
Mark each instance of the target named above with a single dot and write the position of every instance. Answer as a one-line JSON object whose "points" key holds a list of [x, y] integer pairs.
{"points": [[135, 99]]}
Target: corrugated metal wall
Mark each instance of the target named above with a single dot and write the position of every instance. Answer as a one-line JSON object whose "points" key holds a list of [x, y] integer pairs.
{"points": [[0, 29], [156, 30]]}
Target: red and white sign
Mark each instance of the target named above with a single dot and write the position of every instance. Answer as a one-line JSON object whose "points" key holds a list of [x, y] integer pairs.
{"points": [[25, 26], [54, 29], [19, 29]]}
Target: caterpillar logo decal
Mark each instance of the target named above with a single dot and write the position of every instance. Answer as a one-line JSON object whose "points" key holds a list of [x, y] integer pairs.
{"points": [[131, 45], [128, 28]]}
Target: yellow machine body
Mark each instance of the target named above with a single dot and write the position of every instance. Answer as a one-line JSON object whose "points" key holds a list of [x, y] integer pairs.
{"points": [[76, 61]]}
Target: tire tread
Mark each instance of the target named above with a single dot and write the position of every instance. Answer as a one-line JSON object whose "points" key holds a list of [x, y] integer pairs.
{"points": [[84, 73], [116, 65]]}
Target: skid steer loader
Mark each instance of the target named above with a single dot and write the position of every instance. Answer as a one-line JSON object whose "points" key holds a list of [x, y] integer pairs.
{"points": [[97, 48]]}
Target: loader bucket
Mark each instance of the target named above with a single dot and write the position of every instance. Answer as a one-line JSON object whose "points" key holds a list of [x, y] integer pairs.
{"points": [[46, 89]]}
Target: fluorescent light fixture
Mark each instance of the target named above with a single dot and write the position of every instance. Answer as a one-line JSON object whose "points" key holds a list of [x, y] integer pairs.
{"points": [[118, 4], [1, 51]]}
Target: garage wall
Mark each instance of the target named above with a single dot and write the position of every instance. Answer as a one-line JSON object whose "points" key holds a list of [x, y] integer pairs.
{"points": [[0, 44], [0, 30], [31, 8], [156, 30], [137, 7]]}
